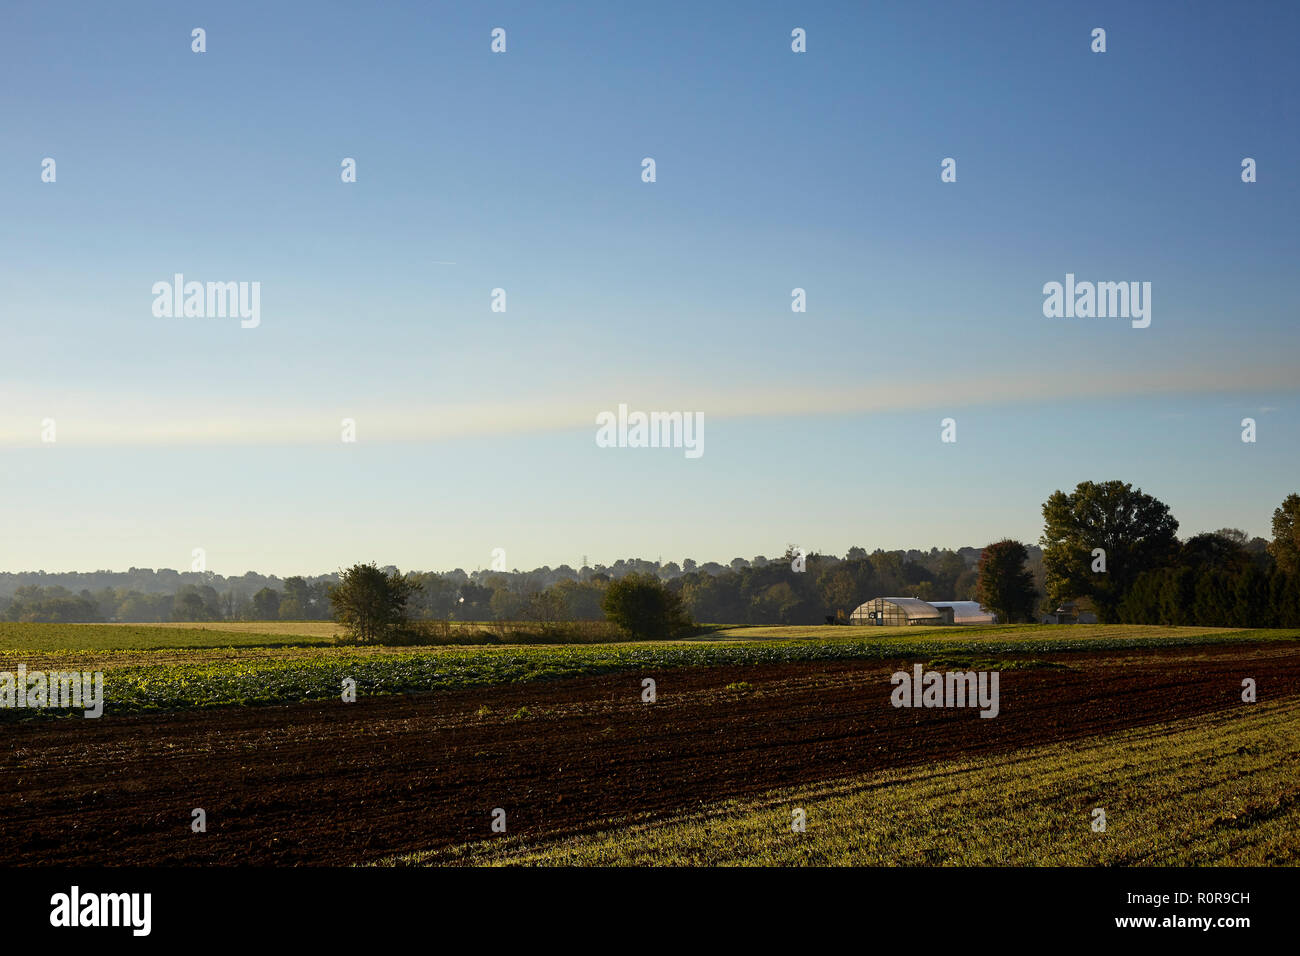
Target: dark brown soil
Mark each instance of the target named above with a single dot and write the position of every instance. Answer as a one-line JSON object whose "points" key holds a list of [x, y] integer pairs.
{"points": [[343, 783]]}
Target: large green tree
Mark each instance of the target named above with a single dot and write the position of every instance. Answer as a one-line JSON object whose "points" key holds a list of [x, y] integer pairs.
{"points": [[1215, 551], [841, 588], [266, 604], [1005, 585], [1135, 531], [297, 598], [370, 603], [642, 606], [1285, 546]]}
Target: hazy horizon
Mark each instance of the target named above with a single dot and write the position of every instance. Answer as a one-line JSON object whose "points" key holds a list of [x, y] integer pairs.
{"points": [[593, 562]]}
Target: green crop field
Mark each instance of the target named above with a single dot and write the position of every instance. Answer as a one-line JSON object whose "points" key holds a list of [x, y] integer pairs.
{"points": [[33, 638], [327, 631], [153, 668], [1221, 789], [17, 638], [313, 630]]}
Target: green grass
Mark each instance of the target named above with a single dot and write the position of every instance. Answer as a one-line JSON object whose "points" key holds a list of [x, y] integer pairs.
{"points": [[313, 630], [123, 637], [55, 638], [1222, 789], [153, 668], [202, 634], [971, 635]]}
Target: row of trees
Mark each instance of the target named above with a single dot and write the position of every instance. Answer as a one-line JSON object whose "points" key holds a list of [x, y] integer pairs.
{"points": [[1117, 549], [827, 586], [756, 591], [300, 600], [1106, 544], [111, 588], [761, 591], [373, 604], [1209, 597]]}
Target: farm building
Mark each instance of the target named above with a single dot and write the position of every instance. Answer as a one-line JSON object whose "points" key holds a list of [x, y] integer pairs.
{"points": [[1070, 613], [968, 612], [896, 611]]}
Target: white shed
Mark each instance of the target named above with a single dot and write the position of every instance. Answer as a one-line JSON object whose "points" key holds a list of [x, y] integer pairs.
{"points": [[968, 612]]}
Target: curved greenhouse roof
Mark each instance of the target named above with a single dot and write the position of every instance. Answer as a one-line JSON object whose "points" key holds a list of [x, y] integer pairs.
{"points": [[967, 612], [894, 611]]}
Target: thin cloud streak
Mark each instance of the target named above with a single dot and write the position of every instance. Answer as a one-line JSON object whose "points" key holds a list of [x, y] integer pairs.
{"points": [[81, 420]]}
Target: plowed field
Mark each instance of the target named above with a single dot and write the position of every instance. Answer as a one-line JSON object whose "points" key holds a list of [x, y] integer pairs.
{"points": [[335, 783]]}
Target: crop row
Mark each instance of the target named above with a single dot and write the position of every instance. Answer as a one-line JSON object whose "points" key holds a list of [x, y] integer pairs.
{"points": [[319, 674]]}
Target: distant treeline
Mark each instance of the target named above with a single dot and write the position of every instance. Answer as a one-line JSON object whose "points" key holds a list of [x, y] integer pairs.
{"points": [[1117, 549], [1241, 594], [757, 590], [1106, 546]]}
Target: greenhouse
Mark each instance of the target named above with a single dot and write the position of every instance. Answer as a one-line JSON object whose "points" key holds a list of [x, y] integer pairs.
{"points": [[899, 611], [967, 612]]}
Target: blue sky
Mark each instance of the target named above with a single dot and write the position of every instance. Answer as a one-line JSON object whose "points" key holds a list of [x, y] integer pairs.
{"points": [[521, 171]]}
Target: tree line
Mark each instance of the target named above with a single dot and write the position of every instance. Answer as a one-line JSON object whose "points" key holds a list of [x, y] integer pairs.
{"points": [[757, 590], [1106, 546], [1110, 547]]}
